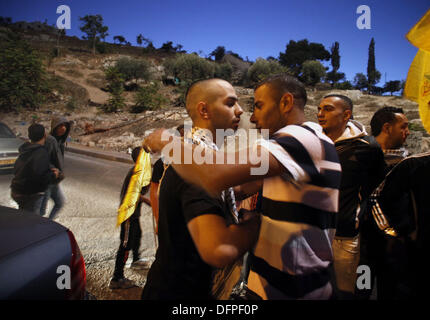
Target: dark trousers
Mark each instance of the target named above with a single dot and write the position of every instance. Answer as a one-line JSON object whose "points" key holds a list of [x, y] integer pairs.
{"points": [[30, 202], [130, 240]]}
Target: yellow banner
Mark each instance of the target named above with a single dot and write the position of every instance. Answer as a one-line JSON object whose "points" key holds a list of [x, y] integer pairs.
{"points": [[419, 35], [140, 178], [417, 87]]}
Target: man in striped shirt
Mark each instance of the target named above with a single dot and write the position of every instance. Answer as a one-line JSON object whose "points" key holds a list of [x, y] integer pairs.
{"points": [[293, 255]]}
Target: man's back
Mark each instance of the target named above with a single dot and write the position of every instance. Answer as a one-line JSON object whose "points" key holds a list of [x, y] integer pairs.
{"points": [[32, 174]]}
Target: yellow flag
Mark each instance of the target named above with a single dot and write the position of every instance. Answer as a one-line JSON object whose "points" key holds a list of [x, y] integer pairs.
{"points": [[417, 87], [419, 35], [140, 178]]}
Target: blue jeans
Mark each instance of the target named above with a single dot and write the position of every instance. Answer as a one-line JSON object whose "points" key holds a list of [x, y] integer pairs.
{"points": [[56, 194], [29, 203]]}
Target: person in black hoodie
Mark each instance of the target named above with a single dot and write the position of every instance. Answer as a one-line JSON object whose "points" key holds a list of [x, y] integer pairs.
{"points": [[55, 144], [362, 170], [32, 173]]}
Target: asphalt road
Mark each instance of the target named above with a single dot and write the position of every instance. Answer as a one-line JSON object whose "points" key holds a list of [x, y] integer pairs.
{"points": [[92, 187]]}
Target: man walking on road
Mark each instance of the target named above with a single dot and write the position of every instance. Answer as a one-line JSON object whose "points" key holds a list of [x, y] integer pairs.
{"points": [[130, 235], [55, 144], [32, 173]]}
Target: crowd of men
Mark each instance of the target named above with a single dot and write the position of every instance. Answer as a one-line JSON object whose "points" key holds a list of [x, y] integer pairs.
{"points": [[333, 198]]}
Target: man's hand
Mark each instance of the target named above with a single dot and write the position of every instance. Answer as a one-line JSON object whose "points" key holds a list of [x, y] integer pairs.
{"points": [[56, 172], [247, 215], [153, 142]]}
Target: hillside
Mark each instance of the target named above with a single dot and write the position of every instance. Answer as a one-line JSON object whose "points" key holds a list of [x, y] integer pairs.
{"points": [[79, 93]]}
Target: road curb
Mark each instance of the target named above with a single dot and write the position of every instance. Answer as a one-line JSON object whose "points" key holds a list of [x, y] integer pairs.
{"points": [[99, 153]]}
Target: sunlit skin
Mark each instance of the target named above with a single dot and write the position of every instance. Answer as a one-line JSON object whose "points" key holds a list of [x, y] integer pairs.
{"points": [[399, 131], [267, 114], [215, 107], [394, 135], [225, 111], [333, 116]]}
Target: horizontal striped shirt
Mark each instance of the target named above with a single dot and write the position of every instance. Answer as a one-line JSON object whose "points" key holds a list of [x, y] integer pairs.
{"points": [[293, 253]]}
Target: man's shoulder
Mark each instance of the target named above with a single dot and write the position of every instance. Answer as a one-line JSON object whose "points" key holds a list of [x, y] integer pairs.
{"points": [[50, 141]]}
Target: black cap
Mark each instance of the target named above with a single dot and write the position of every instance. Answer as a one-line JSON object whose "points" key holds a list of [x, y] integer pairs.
{"points": [[36, 132]]}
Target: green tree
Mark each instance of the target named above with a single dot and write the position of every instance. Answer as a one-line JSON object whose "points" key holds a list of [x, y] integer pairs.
{"points": [[360, 81], [218, 53], [346, 85], [116, 88], [262, 69], [223, 71], [189, 68], [373, 75], [167, 47], [139, 39], [134, 69], [93, 26], [120, 39], [296, 53], [23, 80], [312, 72], [148, 98], [333, 76], [392, 86]]}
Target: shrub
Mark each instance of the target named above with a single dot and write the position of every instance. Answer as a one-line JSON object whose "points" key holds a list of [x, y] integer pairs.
{"points": [[116, 88], [189, 68], [346, 85], [262, 69], [223, 71], [103, 47], [71, 104], [134, 69], [148, 98], [23, 80]]}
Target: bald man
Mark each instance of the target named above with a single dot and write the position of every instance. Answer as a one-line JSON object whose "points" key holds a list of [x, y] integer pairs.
{"points": [[194, 233]]}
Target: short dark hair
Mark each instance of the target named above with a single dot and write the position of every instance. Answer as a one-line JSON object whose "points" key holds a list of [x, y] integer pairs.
{"points": [[135, 153], [36, 132], [346, 100], [283, 83], [383, 115]]}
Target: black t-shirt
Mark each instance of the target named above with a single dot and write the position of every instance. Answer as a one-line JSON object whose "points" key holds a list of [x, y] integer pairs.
{"points": [[178, 272], [157, 171]]}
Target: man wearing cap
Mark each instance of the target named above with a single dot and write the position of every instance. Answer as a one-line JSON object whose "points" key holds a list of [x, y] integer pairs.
{"points": [[32, 173]]}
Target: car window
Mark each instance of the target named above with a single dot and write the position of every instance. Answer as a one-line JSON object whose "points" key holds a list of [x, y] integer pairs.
{"points": [[5, 132]]}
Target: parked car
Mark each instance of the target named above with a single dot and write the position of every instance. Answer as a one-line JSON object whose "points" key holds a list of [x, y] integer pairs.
{"points": [[39, 259], [9, 144]]}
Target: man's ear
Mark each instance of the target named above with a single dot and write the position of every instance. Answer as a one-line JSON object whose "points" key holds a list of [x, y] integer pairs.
{"points": [[347, 115], [286, 103], [202, 110], [386, 128]]}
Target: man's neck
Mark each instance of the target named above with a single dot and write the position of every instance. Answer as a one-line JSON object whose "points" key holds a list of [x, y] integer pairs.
{"points": [[336, 134], [382, 142]]}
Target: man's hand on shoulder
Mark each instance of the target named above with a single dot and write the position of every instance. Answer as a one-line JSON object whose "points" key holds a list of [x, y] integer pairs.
{"points": [[157, 140]]}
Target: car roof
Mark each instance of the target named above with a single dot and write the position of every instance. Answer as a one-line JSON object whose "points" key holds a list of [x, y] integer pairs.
{"points": [[20, 229]]}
